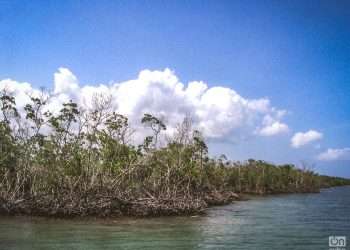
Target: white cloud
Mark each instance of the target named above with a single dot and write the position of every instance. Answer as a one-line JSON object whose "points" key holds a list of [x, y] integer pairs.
{"points": [[65, 81], [21, 91], [271, 126], [274, 129], [334, 154], [300, 139], [218, 112]]}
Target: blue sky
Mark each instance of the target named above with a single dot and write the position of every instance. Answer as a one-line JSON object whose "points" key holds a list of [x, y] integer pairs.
{"points": [[295, 53]]}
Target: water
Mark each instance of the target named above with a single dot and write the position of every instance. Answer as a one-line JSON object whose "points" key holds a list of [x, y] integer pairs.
{"points": [[297, 221]]}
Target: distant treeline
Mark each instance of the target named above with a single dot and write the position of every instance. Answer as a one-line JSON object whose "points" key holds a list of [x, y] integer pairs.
{"points": [[78, 162]]}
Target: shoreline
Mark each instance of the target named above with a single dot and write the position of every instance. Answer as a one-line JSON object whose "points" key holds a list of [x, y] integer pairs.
{"points": [[142, 207], [114, 207]]}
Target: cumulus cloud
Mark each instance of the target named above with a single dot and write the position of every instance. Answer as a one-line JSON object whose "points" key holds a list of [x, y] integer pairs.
{"points": [[271, 126], [335, 154], [65, 81], [274, 129], [300, 139], [22, 91], [217, 111]]}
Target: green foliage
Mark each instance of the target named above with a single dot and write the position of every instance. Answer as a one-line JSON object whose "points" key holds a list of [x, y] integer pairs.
{"points": [[75, 154], [8, 149], [156, 125], [8, 107], [8, 146]]}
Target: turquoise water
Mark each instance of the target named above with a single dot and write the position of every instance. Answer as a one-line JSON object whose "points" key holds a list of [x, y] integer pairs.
{"points": [[297, 221]]}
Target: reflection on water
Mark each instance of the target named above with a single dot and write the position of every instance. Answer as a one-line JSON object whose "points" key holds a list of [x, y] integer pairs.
{"points": [[299, 221]]}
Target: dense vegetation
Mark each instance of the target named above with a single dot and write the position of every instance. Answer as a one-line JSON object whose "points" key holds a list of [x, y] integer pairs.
{"points": [[81, 162]]}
